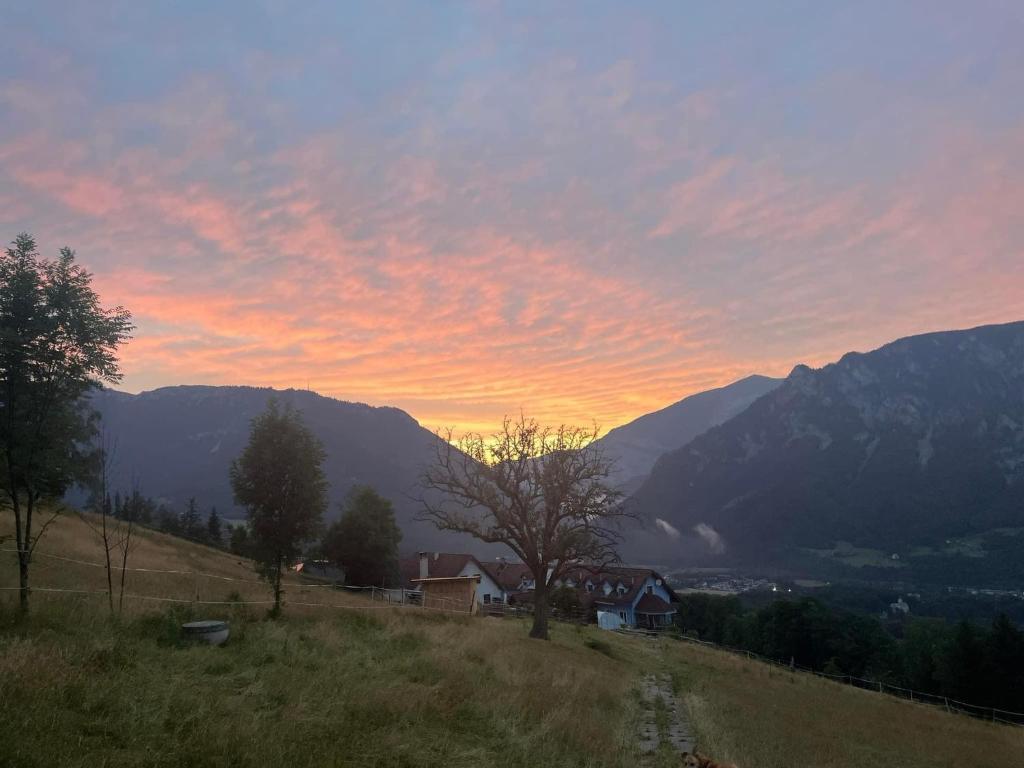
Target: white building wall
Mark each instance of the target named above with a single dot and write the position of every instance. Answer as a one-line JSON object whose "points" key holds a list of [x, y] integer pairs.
{"points": [[487, 585]]}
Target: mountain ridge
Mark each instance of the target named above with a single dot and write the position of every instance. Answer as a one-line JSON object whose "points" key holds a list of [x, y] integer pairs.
{"points": [[177, 442], [910, 447], [638, 444]]}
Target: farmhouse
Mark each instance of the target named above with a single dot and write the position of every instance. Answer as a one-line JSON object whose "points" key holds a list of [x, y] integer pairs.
{"points": [[622, 596], [614, 596], [446, 565]]}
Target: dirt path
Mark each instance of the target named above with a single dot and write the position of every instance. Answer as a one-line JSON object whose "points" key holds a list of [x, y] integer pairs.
{"points": [[663, 720]]}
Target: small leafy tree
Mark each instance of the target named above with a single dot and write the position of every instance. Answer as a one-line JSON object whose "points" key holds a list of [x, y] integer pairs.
{"points": [[364, 541], [280, 482], [544, 493], [57, 343]]}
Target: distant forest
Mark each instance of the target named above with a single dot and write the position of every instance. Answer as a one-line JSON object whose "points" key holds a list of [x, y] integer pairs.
{"points": [[189, 523], [964, 661]]}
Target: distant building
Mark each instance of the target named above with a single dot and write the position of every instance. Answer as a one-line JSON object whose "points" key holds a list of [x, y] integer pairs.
{"points": [[900, 606]]}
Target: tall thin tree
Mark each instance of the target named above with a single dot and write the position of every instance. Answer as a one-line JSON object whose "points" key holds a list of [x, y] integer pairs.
{"points": [[57, 343]]}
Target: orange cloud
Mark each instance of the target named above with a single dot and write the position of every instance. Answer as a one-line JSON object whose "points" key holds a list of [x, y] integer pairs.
{"points": [[575, 283]]}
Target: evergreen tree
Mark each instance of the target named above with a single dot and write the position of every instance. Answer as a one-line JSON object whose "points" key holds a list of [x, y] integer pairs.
{"points": [[1006, 665], [364, 542], [191, 523], [214, 533]]}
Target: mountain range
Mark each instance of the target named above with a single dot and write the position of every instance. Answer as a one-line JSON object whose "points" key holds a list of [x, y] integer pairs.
{"points": [[178, 442], [907, 462]]}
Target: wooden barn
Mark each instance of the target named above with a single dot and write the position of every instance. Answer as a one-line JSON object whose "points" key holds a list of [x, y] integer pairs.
{"points": [[450, 593]]}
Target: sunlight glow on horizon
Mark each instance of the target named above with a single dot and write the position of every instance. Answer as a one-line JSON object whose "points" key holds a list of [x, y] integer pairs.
{"points": [[467, 212]]}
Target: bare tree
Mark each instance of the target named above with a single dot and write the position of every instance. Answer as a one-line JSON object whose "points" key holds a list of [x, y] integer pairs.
{"points": [[116, 527], [100, 505], [543, 492], [130, 515]]}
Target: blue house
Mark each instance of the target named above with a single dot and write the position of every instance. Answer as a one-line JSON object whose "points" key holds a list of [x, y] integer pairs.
{"points": [[624, 597]]}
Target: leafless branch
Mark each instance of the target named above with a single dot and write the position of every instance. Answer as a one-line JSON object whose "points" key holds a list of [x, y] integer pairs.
{"points": [[543, 492]]}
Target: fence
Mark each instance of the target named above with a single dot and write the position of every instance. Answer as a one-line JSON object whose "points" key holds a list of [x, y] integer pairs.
{"points": [[992, 714], [191, 588]]}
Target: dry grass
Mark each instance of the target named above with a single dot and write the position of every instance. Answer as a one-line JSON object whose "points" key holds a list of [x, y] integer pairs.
{"points": [[758, 715], [360, 684], [389, 688], [72, 539]]}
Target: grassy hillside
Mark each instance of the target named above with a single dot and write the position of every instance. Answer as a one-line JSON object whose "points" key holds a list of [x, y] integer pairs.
{"points": [[364, 685]]}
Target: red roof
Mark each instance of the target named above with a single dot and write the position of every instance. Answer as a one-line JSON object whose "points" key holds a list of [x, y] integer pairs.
{"points": [[653, 604], [509, 576]]}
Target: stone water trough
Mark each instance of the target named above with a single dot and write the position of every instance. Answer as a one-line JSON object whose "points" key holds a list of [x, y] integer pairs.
{"points": [[212, 632]]}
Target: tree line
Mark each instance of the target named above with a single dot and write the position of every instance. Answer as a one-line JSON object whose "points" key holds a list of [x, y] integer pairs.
{"points": [[963, 661]]}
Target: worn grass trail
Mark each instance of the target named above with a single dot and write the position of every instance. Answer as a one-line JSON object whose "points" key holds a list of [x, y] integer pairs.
{"points": [[664, 724]]}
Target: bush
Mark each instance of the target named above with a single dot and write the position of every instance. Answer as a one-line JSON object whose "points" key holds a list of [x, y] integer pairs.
{"points": [[601, 646]]}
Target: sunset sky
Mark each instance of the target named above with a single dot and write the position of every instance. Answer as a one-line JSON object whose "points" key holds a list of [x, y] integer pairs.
{"points": [[585, 211]]}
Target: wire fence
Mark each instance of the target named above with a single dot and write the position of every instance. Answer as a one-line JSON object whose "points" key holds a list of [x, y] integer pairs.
{"points": [[192, 587], [992, 714]]}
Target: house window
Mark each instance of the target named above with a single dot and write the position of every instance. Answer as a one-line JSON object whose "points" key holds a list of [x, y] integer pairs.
{"points": [[590, 586], [487, 599], [650, 590], [622, 615]]}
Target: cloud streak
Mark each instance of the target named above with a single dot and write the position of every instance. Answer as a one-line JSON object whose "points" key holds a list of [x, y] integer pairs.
{"points": [[586, 232]]}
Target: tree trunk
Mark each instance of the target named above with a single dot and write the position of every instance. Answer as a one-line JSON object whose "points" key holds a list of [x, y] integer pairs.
{"points": [[23, 538], [539, 631], [23, 580], [106, 552], [277, 587]]}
